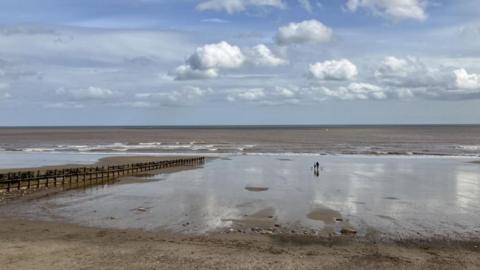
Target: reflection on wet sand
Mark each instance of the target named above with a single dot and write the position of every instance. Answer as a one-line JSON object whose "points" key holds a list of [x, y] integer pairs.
{"points": [[398, 197]]}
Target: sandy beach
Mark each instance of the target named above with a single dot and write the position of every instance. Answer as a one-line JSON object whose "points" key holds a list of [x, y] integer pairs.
{"points": [[43, 245], [32, 243]]}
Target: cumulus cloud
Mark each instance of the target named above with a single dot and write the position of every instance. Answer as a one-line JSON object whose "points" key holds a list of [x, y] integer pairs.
{"points": [[186, 72], [90, 93], [410, 72], [261, 55], [234, 6], [311, 31], [341, 69], [465, 80], [219, 55], [396, 10], [408, 77], [207, 61]]}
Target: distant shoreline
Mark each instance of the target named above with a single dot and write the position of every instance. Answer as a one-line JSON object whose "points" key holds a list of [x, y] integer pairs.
{"points": [[273, 126]]}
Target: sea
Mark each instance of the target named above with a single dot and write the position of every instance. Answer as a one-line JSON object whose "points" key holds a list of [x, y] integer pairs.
{"points": [[385, 182]]}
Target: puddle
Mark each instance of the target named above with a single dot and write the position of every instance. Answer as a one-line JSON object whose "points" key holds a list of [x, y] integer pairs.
{"points": [[328, 216]]}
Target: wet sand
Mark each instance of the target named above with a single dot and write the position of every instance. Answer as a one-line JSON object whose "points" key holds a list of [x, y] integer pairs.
{"points": [[50, 246], [105, 161], [257, 239], [33, 194]]}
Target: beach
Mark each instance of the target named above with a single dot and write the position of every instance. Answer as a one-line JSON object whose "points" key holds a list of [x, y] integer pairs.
{"points": [[41, 245], [248, 210]]}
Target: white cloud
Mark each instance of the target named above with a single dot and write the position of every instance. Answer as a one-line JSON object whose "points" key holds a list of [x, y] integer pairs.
{"points": [[90, 93], [64, 105], [365, 91], [233, 6], [397, 66], [311, 31], [181, 97], [353, 91], [306, 5], [185, 72], [205, 62], [411, 72], [333, 70], [396, 10], [464, 80], [253, 94], [261, 55], [214, 20], [219, 55]]}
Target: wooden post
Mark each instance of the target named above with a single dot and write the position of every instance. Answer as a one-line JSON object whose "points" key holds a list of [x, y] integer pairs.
{"points": [[38, 179]]}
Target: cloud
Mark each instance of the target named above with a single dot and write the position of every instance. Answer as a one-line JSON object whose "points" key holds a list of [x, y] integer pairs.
{"points": [[353, 91], [333, 70], [253, 94], [464, 80], [261, 55], [186, 72], [311, 31], [207, 61], [275, 95], [306, 5], [395, 10], [234, 6], [411, 77], [410, 72], [214, 20], [3, 90], [90, 93], [219, 55], [181, 97], [64, 105], [68, 46]]}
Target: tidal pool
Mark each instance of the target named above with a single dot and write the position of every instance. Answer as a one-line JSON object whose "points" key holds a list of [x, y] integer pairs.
{"points": [[393, 197]]}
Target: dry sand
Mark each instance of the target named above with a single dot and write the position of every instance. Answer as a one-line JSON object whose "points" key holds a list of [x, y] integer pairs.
{"points": [[41, 245]]}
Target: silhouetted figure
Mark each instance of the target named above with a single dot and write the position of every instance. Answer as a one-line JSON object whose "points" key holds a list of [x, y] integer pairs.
{"points": [[316, 169]]}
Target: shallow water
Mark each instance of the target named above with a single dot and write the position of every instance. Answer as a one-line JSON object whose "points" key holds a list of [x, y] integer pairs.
{"points": [[11, 160], [393, 197]]}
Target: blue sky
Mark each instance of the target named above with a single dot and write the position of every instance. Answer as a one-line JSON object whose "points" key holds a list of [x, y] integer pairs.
{"points": [[135, 62]]}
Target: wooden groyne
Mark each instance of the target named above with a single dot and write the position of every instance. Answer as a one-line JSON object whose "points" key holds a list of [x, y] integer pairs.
{"points": [[86, 176]]}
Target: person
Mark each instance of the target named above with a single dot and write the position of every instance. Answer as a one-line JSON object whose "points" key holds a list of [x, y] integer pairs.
{"points": [[316, 169]]}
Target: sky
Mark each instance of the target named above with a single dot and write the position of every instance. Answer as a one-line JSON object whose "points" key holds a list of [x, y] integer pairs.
{"points": [[239, 62]]}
